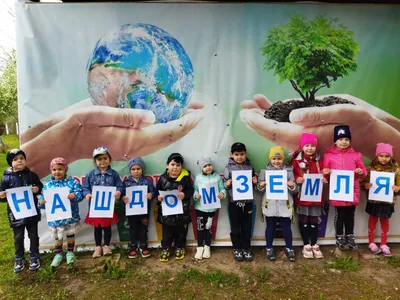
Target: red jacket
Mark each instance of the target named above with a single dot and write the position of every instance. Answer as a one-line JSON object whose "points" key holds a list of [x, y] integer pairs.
{"points": [[304, 164]]}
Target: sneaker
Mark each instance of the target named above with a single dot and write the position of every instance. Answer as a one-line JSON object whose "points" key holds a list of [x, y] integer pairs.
{"points": [[34, 264], [248, 255], [374, 248], [71, 258], [132, 253], [19, 265], [290, 254], [179, 253], [207, 252], [351, 242], [307, 251], [271, 254], [107, 250], [341, 242], [386, 251], [164, 255], [56, 260], [317, 252], [98, 252], [199, 253], [144, 252], [238, 254]]}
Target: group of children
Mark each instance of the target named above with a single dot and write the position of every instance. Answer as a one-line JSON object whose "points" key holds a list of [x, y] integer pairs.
{"points": [[341, 156]]}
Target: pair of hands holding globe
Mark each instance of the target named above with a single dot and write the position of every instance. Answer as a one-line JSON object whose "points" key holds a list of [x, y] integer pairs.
{"points": [[73, 132]]}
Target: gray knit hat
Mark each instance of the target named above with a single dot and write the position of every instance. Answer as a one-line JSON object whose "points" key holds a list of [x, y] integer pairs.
{"points": [[204, 160], [136, 161]]}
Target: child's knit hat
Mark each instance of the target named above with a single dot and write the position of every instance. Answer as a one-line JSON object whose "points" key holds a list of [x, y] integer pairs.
{"points": [[276, 151], [384, 148], [308, 138], [341, 131], [136, 161], [13, 153], [59, 161], [203, 161]]}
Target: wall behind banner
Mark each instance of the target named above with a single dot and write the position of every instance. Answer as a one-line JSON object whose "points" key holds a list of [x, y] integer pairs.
{"points": [[223, 41]]}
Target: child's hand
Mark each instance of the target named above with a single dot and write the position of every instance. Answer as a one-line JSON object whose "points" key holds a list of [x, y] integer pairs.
{"points": [[181, 196], [359, 172], [300, 180], [117, 195], [42, 202], [35, 189], [220, 196], [3, 195], [125, 199], [254, 179], [324, 180], [326, 171], [263, 184], [71, 196], [149, 196], [290, 184], [197, 196], [88, 197], [160, 198], [367, 186], [228, 182], [395, 188]]}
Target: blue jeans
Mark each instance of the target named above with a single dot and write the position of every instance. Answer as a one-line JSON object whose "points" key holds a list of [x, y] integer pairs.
{"points": [[285, 224]]}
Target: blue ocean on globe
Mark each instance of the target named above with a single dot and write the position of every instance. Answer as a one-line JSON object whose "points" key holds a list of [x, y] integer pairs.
{"points": [[141, 66]]}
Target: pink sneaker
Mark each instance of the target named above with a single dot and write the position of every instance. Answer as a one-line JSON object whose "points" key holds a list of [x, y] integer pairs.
{"points": [[307, 251], [98, 252], [317, 252], [374, 248], [107, 250], [386, 251]]}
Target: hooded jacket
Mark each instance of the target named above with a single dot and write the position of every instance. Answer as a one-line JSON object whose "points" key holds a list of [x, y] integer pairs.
{"points": [[130, 181], [234, 166]]}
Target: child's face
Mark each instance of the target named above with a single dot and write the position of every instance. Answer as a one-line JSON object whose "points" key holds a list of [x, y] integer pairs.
{"points": [[239, 156], [59, 172], [309, 149], [384, 158], [343, 143], [276, 161], [102, 161], [174, 168], [136, 171], [18, 163], [208, 169]]}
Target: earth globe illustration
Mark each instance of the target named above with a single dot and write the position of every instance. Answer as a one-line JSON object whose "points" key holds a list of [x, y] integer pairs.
{"points": [[141, 66]]}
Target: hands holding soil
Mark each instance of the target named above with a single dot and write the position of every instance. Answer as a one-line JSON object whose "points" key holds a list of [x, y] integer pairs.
{"points": [[369, 124]]}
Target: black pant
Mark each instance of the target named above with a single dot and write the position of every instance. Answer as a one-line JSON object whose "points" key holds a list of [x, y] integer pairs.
{"points": [[285, 224], [344, 219], [204, 233], [176, 234], [138, 227], [241, 217], [98, 235], [19, 235], [308, 226]]}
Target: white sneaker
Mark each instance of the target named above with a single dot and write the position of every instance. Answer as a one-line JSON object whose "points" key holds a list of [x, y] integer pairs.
{"points": [[317, 252], [307, 251], [199, 253], [207, 252]]}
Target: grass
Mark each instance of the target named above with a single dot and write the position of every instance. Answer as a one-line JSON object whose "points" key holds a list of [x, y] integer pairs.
{"points": [[345, 263], [394, 261]]}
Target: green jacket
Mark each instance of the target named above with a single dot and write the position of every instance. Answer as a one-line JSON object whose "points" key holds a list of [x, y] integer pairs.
{"points": [[203, 179]]}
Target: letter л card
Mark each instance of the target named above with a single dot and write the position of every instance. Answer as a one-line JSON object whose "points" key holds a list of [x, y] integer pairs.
{"points": [[341, 187]]}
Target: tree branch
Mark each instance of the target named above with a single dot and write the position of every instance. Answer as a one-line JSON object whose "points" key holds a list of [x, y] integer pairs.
{"points": [[320, 87], [294, 85]]}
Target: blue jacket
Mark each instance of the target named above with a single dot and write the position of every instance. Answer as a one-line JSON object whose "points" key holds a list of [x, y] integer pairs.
{"points": [[130, 181], [74, 187], [22, 178], [95, 177]]}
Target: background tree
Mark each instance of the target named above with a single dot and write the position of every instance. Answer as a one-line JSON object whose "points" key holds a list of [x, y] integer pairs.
{"points": [[8, 90], [310, 54]]}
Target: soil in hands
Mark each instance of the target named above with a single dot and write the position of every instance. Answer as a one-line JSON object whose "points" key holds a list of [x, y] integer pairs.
{"points": [[280, 110]]}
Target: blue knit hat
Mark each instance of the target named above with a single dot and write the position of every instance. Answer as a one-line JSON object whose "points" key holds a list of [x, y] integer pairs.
{"points": [[341, 131], [136, 161]]}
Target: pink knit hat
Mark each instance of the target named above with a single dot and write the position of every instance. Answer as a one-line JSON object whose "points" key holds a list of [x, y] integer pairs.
{"points": [[384, 148], [308, 138]]}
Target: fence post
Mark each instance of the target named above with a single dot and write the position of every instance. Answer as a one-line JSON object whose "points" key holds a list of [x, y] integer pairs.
{"points": [[16, 128], [6, 129]]}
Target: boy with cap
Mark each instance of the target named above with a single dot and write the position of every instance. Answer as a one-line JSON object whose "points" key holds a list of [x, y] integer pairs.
{"points": [[138, 224], [342, 156], [18, 175], [240, 212]]}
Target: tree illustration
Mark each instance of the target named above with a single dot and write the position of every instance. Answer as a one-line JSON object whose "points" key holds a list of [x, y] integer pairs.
{"points": [[310, 54]]}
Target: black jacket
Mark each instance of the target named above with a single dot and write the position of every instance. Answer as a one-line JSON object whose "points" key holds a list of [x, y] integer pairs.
{"points": [[13, 179], [166, 183]]}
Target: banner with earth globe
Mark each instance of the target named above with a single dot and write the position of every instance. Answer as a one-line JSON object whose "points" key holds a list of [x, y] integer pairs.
{"points": [[149, 79]]}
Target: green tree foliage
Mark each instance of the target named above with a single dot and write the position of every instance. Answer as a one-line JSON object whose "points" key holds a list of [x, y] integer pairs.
{"points": [[8, 90], [310, 54]]}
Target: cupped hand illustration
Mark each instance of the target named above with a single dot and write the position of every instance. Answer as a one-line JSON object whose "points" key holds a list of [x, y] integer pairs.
{"points": [[369, 124], [74, 132]]}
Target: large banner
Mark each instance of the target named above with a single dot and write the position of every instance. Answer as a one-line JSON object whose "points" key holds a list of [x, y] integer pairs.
{"points": [[148, 79]]}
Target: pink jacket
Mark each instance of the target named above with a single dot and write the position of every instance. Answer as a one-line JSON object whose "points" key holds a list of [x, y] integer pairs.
{"points": [[348, 159]]}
